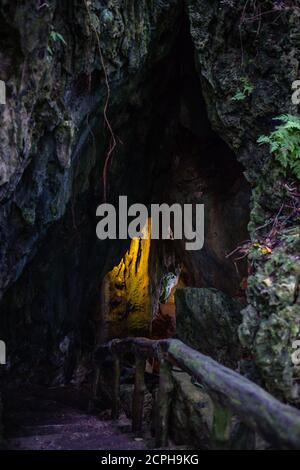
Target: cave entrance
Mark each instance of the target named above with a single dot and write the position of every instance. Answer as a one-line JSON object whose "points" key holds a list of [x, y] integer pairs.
{"points": [[208, 173], [184, 161]]}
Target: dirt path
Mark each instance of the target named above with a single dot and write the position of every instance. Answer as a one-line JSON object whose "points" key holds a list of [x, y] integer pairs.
{"points": [[41, 420]]}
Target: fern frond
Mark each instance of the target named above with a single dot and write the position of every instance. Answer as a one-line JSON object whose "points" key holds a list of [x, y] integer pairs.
{"points": [[284, 142]]}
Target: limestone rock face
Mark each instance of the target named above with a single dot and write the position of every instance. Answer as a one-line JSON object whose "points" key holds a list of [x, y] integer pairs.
{"points": [[53, 149], [191, 414], [232, 45], [269, 335], [235, 44], [126, 302], [55, 92], [208, 320], [192, 420]]}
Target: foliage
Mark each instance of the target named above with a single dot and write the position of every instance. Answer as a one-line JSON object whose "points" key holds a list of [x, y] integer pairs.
{"points": [[284, 143], [263, 5], [53, 38], [245, 90]]}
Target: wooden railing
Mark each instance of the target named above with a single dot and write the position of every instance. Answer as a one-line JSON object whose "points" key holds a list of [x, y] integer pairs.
{"points": [[277, 423]]}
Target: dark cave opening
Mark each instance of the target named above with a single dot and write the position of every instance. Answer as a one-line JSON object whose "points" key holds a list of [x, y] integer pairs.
{"points": [[186, 162], [53, 316], [76, 291]]}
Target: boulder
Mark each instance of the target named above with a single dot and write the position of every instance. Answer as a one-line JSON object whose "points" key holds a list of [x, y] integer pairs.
{"points": [[208, 320]]}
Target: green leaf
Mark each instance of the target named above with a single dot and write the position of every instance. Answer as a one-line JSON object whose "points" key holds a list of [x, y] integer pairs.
{"points": [[284, 143]]}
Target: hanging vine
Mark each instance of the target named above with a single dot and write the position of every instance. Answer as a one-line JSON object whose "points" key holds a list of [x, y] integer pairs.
{"points": [[113, 141]]}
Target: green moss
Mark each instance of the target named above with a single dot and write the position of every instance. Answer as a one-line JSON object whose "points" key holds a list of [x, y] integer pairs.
{"points": [[272, 321], [29, 213], [221, 426]]}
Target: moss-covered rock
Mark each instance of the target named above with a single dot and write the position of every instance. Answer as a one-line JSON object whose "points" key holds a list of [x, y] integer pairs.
{"points": [[191, 419], [271, 326], [267, 58], [208, 320]]}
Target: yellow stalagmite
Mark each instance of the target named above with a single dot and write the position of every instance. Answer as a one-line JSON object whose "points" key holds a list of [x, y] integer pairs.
{"points": [[126, 292]]}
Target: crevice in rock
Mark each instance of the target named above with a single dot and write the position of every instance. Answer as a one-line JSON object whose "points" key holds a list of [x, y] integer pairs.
{"points": [[185, 162]]}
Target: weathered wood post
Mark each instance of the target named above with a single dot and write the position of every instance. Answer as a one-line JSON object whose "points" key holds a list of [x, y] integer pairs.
{"points": [[166, 386], [138, 395], [116, 389]]}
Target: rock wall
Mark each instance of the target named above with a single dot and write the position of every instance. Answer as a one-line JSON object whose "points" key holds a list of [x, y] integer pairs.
{"points": [[237, 43], [208, 320], [54, 147]]}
